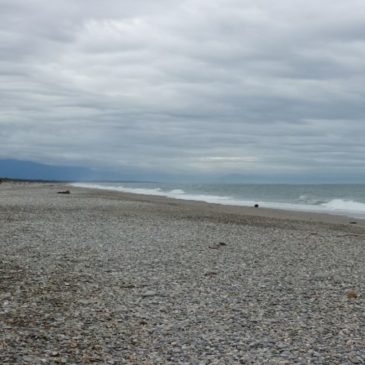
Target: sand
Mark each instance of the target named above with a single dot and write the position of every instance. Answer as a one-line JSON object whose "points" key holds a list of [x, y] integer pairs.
{"points": [[111, 278]]}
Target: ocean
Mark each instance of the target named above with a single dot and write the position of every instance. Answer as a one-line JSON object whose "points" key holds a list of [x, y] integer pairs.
{"points": [[348, 200]]}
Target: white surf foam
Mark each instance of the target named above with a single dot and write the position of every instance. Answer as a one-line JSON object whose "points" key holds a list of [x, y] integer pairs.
{"points": [[152, 191], [345, 205]]}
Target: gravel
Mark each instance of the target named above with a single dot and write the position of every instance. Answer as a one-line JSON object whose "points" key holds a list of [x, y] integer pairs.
{"points": [[97, 277]]}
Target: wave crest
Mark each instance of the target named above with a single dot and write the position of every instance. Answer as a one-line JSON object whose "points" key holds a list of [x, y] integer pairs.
{"points": [[345, 205]]}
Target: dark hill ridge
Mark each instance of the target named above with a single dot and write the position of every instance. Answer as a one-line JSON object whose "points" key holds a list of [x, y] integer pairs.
{"points": [[28, 170]]}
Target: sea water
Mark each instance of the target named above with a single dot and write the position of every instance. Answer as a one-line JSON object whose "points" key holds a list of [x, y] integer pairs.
{"points": [[339, 199]]}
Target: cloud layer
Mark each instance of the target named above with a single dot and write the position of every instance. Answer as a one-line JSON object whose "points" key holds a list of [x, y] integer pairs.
{"points": [[188, 87]]}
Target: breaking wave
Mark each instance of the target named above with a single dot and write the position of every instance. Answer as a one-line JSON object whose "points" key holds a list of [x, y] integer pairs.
{"points": [[345, 205]]}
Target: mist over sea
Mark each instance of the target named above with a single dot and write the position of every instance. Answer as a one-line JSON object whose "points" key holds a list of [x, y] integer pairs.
{"points": [[342, 199]]}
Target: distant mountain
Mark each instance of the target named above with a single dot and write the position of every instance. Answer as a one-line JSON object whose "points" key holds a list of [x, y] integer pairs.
{"points": [[29, 170], [17, 169]]}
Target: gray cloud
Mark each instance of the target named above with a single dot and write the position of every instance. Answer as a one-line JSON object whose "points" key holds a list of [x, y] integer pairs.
{"points": [[189, 87]]}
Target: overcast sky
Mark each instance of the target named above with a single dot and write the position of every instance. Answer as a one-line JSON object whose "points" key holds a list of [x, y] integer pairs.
{"points": [[188, 87]]}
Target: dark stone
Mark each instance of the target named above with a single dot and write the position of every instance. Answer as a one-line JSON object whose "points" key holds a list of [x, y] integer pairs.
{"points": [[217, 246], [353, 222], [256, 206], [210, 273], [64, 192]]}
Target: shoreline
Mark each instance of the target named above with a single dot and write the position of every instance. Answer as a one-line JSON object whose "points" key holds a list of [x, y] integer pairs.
{"points": [[226, 201], [113, 278], [324, 217]]}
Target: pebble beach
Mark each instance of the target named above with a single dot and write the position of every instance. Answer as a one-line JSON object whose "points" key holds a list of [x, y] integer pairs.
{"points": [[102, 277]]}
